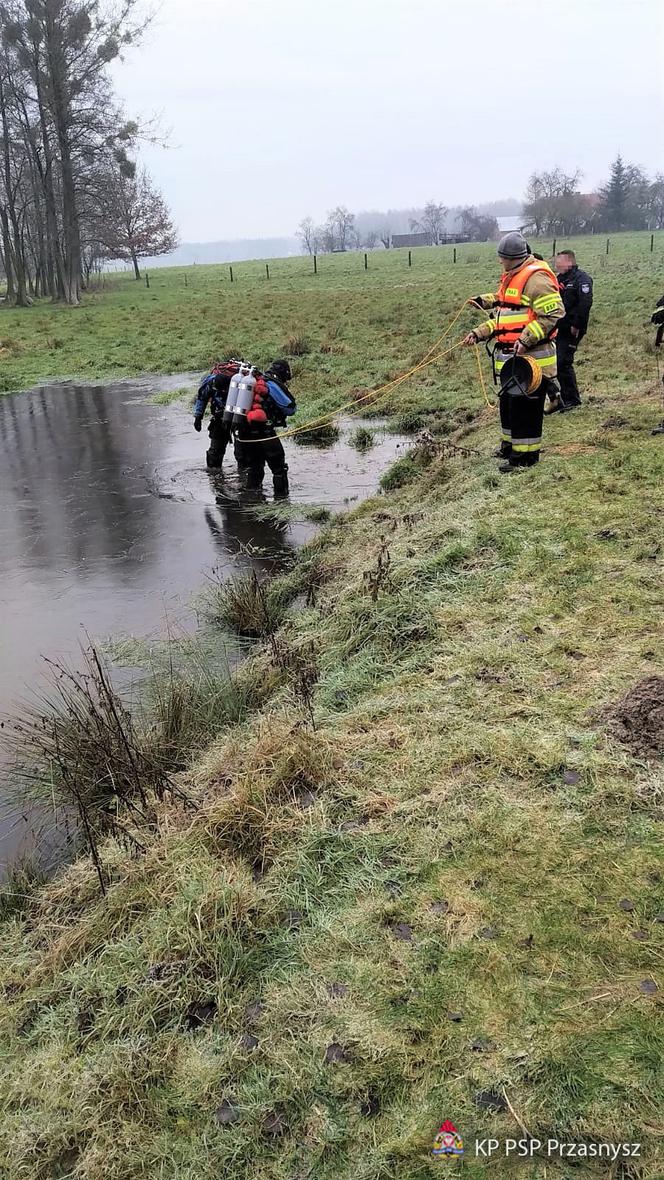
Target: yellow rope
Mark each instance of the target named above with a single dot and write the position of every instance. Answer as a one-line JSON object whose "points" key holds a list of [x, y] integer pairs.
{"points": [[480, 370], [373, 395]]}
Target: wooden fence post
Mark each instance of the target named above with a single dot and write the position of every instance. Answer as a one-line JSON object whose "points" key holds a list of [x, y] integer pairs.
{"points": [[652, 243], [231, 270], [366, 262], [608, 244], [147, 280], [410, 258], [553, 248], [454, 258], [185, 279], [315, 265], [267, 269]]}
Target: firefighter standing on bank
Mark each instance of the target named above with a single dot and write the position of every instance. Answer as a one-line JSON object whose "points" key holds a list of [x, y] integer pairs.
{"points": [[525, 311]]}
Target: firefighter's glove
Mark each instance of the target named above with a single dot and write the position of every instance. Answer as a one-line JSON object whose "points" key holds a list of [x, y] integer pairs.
{"points": [[198, 422]]}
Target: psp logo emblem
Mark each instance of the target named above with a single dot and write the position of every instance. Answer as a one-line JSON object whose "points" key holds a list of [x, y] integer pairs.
{"points": [[448, 1143]]}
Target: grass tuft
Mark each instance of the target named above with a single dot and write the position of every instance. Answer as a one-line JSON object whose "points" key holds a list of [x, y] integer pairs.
{"points": [[21, 880], [247, 605], [318, 436], [362, 439], [297, 345]]}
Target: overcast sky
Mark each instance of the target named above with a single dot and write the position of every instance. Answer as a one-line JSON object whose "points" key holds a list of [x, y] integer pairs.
{"points": [[281, 108]]}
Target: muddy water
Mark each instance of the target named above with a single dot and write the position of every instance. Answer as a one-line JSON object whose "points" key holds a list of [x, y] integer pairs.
{"points": [[110, 523]]}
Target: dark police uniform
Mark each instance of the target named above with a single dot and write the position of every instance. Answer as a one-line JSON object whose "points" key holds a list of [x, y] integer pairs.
{"points": [[658, 320], [577, 291]]}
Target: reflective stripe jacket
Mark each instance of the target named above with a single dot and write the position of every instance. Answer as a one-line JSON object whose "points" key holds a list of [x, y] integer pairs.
{"points": [[527, 307]]}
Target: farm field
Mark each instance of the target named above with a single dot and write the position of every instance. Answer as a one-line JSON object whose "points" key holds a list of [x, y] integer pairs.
{"points": [[420, 876]]}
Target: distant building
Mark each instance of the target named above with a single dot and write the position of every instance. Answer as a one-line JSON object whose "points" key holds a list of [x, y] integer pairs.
{"points": [[507, 225], [410, 240], [425, 239]]}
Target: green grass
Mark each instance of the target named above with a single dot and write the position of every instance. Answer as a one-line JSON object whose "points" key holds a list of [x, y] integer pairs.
{"points": [[356, 327], [169, 396], [453, 884]]}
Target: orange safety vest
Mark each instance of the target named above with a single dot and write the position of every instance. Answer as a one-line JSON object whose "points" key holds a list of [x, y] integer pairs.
{"points": [[514, 311]]}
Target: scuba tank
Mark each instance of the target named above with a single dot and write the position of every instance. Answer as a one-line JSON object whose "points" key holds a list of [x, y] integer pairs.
{"points": [[245, 396], [232, 397]]}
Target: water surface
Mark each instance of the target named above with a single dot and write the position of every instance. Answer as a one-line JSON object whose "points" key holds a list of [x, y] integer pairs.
{"points": [[110, 523]]}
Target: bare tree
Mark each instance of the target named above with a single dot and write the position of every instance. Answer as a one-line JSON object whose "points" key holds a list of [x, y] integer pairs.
{"points": [[553, 203], [431, 222], [58, 51], [306, 232], [480, 227], [656, 202], [134, 221], [342, 224], [12, 176], [325, 238]]}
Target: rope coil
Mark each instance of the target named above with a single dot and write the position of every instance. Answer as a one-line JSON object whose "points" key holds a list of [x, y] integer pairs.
{"points": [[374, 395]]}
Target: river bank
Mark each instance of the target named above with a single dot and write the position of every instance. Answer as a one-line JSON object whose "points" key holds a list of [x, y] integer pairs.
{"points": [[111, 526], [443, 901], [420, 877]]}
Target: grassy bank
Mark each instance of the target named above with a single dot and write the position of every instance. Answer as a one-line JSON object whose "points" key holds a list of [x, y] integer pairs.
{"points": [[355, 327], [443, 901]]}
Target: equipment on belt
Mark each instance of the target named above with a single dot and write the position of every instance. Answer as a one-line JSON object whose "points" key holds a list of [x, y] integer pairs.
{"points": [[520, 376]]}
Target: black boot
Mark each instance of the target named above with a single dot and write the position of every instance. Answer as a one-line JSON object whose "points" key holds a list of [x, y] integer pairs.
{"points": [[504, 451], [281, 488], [252, 478], [213, 459]]}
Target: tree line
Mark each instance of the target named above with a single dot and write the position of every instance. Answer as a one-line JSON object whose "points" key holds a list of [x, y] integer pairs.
{"points": [[343, 230], [553, 204], [71, 192], [628, 200]]}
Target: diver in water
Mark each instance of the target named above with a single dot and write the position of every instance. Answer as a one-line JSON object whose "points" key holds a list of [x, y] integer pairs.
{"points": [[256, 438], [213, 392]]}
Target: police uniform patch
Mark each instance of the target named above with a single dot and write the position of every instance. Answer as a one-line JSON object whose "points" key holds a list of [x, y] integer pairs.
{"points": [[585, 287]]}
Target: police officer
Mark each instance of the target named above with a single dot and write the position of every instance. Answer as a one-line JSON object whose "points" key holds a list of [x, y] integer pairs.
{"points": [[577, 291], [256, 441], [525, 312], [213, 391]]}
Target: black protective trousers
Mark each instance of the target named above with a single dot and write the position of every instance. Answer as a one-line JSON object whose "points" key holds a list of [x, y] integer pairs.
{"points": [[220, 436], [566, 347], [521, 419], [252, 456]]}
